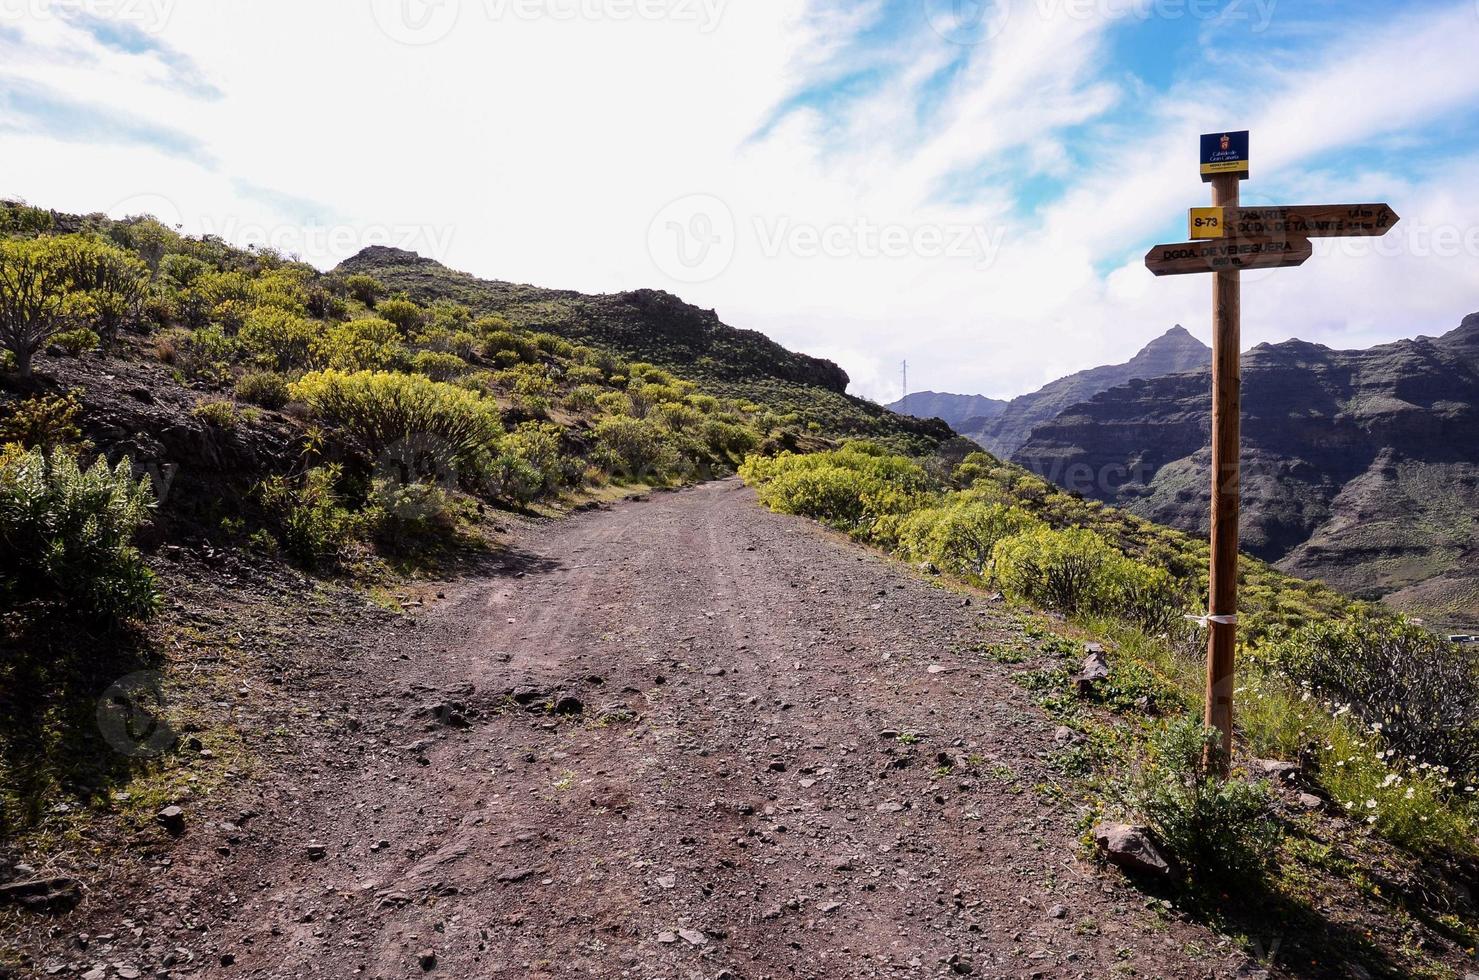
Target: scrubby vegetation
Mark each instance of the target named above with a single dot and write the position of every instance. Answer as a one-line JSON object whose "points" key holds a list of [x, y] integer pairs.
{"points": [[404, 407], [67, 532], [1381, 712]]}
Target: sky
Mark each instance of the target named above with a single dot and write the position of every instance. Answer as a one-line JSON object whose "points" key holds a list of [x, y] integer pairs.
{"points": [[970, 185]]}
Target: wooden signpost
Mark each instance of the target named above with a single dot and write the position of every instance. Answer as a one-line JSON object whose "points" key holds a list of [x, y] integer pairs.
{"points": [[1226, 239]]}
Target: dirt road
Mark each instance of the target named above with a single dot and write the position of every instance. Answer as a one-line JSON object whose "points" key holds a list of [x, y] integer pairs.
{"points": [[784, 762]]}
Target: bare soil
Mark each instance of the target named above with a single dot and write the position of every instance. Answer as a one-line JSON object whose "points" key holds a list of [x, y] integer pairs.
{"points": [[671, 738]]}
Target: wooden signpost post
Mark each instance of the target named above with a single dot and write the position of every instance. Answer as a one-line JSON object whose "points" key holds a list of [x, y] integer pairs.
{"points": [[1226, 239]]}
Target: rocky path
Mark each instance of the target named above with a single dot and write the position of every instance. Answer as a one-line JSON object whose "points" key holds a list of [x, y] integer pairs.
{"points": [[770, 755]]}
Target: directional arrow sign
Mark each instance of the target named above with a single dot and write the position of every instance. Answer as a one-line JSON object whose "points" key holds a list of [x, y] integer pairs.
{"points": [[1306, 221], [1185, 258]]}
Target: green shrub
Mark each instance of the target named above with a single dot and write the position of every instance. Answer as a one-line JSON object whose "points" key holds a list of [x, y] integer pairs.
{"points": [[517, 346], [278, 339], [960, 538], [265, 388], [729, 440], [832, 494], [538, 444], [409, 518], [637, 446], [584, 374], [107, 284], [437, 365], [514, 479], [207, 354], [310, 521], [406, 315], [67, 535], [77, 342], [1215, 829], [376, 410], [367, 344], [182, 270], [216, 413], [366, 289], [43, 422], [33, 297], [583, 398], [1073, 570], [1419, 691]]}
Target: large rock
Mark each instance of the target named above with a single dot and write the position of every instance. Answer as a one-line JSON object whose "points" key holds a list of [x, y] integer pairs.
{"points": [[1132, 849], [42, 894]]}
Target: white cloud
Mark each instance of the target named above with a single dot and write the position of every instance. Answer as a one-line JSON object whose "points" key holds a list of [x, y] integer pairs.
{"points": [[540, 150]]}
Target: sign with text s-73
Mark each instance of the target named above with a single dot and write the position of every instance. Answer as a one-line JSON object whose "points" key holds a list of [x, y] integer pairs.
{"points": [[1225, 153]]}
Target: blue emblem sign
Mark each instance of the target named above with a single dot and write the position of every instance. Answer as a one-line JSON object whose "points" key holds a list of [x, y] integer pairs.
{"points": [[1225, 153]]}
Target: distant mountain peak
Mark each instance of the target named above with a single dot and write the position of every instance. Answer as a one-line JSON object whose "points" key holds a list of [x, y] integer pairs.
{"points": [[386, 255], [1178, 338]]}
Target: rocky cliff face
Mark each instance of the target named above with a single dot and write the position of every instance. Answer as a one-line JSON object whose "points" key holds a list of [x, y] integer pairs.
{"points": [[962, 412], [1173, 352], [1360, 467]]}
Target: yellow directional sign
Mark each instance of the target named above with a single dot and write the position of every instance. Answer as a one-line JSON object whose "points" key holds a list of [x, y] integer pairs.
{"points": [[1206, 223], [1227, 255], [1305, 221], [1311, 221]]}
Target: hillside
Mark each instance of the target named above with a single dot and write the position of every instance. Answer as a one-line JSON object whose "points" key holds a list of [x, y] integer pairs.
{"points": [[962, 412], [1361, 466], [655, 326]]}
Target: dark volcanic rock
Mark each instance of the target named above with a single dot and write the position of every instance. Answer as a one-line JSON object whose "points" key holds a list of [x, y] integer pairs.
{"points": [[1173, 352], [1359, 467]]}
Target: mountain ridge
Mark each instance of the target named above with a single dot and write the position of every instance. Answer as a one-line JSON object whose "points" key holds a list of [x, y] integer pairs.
{"points": [[1361, 467], [1003, 432]]}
